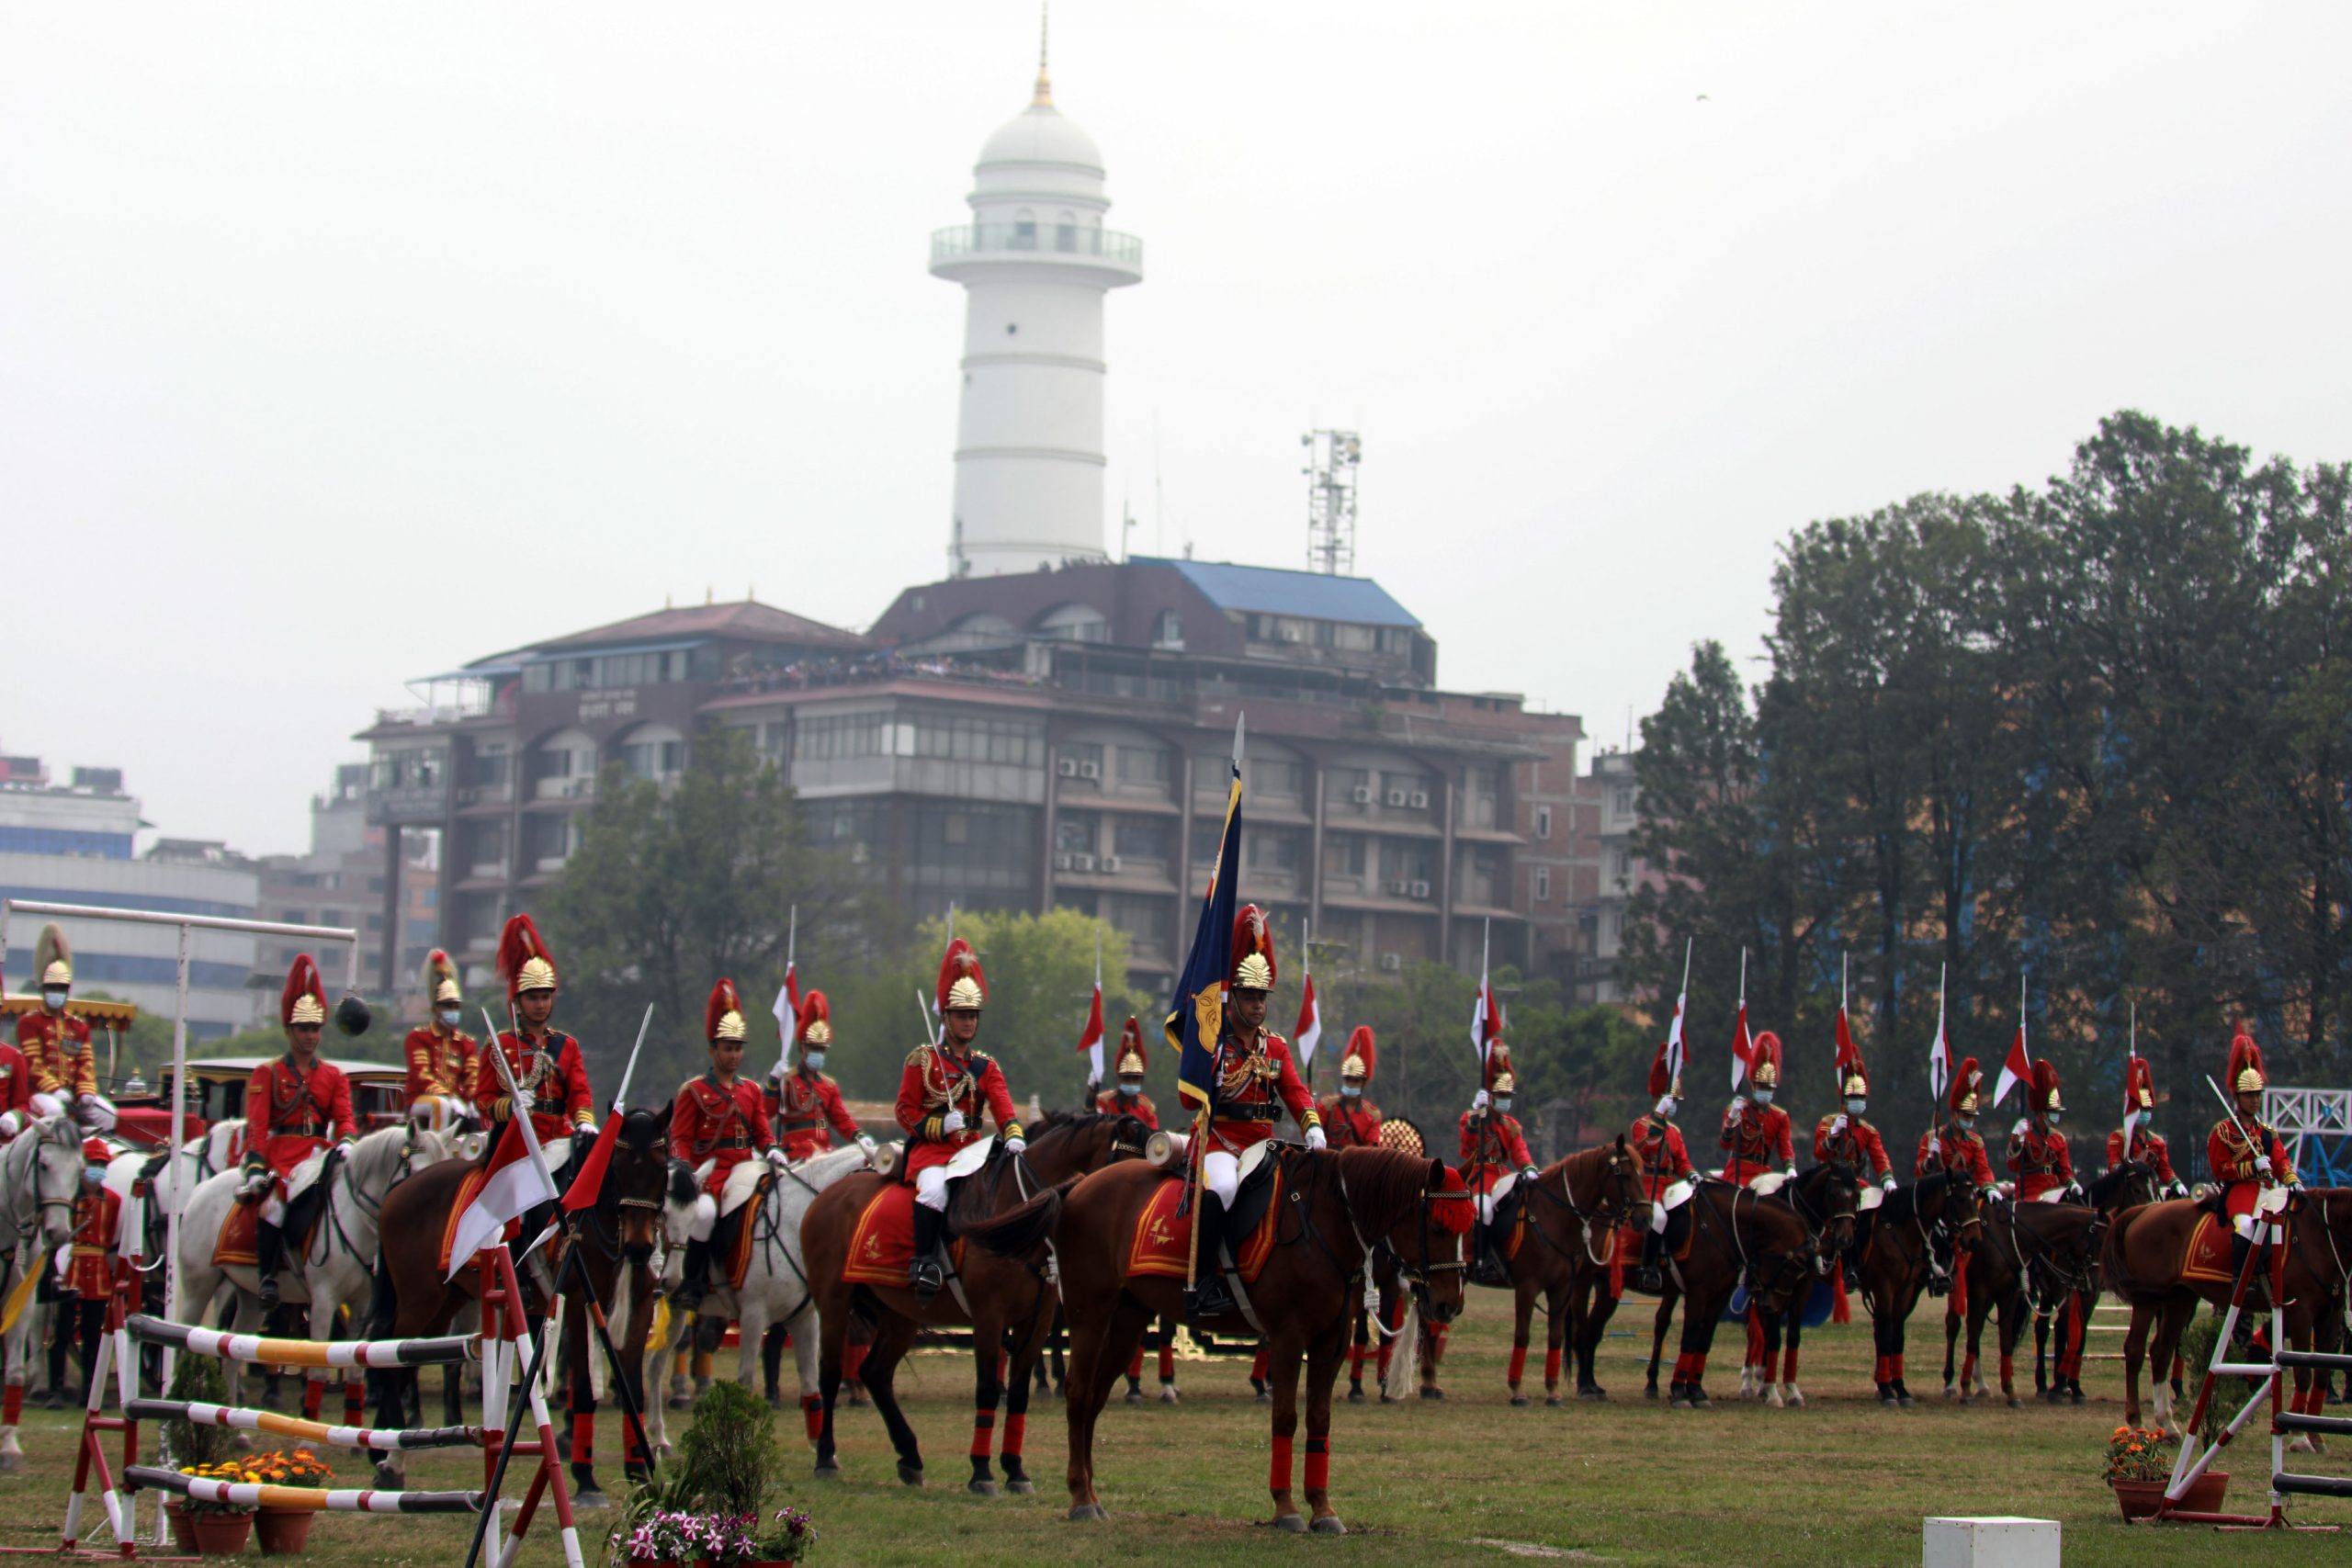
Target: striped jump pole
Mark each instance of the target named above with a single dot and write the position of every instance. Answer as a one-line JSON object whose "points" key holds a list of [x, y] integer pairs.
{"points": [[359, 1353], [316, 1499], [242, 1418]]}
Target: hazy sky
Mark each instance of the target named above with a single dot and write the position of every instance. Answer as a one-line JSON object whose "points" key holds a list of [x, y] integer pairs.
{"points": [[339, 345]]}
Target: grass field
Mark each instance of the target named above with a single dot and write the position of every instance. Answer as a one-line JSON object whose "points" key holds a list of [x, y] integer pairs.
{"points": [[1469, 1480]]}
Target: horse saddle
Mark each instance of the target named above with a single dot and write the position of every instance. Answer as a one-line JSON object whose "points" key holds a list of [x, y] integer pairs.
{"points": [[239, 1238], [1255, 1189], [736, 1233]]}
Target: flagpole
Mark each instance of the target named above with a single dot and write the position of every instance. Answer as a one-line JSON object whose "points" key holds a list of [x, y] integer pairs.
{"points": [[1201, 1113], [1306, 975], [1844, 989], [620, 1100], [1937, 1091], [791, 953]]}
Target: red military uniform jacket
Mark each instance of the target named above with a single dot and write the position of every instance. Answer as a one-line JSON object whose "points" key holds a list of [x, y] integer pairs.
{"points": [[552, 1074], [60, 1065], [441, 1064], [810, 1105], [1492, 1149], [2149, 1148], [1956, 1148], [1857, 1143], [90, 1274], [16, 1081], [1254, 1088], [725, 1123], [290, 1115], [1349, 1124], [940, 1079], [1141, 1108], [2232, 1158], [2040, 1161], [1759, 1139], [1663, 1152]]}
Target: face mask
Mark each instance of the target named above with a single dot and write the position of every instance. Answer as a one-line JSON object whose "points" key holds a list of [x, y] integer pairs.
{"points": [[1351, 1091], [2056, 1116], [1856, 1106], [1666, 1105], [1763, 1097], [815, 1061], [1130, 1089], [1967, 1123], [1502, 1102], [92, 1176], [54, 999], [449, 1017]]}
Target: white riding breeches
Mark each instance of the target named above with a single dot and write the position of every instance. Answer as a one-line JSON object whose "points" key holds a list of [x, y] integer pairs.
{"points": [[741, 1182], [705, 1216], [2247, 1225], [1221, 1174], [1488, 1199], [1677, 1193], [931, 1188]]}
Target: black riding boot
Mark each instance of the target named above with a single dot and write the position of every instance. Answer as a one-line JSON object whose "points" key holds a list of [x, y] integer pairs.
{"points": [[1209, 1296], [269, 1246], [1489, 1268], [695, 1280], [926, 1274], [1650, 1279]]}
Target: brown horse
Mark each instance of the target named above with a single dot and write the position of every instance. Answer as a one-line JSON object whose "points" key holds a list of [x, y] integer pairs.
{"points": [[2145, 1251], [1736, 1238], [618, 1232], [1825, 1197], [1007, 1210], [1897, 1257], [1338, 1208], [1572, 1212], [2029, 1255]]}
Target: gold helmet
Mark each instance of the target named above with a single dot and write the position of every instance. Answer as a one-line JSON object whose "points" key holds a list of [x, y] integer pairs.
{"points": [[1253, 951], [53, 957], [1361, 1057], [523, 958], [2246, 1066], [1131, 1056], [722, 1014], [1765, 1070], [304, 999], [814, 1024], [441, 978], [962, 986]]}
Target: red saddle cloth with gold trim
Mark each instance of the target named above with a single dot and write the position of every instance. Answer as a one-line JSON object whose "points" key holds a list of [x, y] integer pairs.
{"points": [[2207, 1257], [1163, 1241], [882, 1246]]}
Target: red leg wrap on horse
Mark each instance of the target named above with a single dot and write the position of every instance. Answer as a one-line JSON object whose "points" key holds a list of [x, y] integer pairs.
{"points": [[1381, 1369], [1167, 1363], [2008, 1371], [812, 1415], [853, 1361], [983, 1430], [12, 1404], [1967, 1369], [1895, 1362], [1878, 1371], [1771, 1366], [1135, 1366], [1356, 1354], [1789, 1364], [584, 1436], [1278, 1470], [1754, 1340], [1015, 1428], [1257, 1365], [1551, 1369], [314, 1396], [1959, 1290], [354, 1402], [1682, 1367], [1318, 1464], [1518, 1365], [1698, 1365]]}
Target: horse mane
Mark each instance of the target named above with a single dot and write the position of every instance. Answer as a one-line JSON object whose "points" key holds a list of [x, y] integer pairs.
{"points": [[1902, 1205], [822, 1165], [1382, 1184], [1019, 1229], [373, 1155], [2105, 1187], [1066, 1124]]}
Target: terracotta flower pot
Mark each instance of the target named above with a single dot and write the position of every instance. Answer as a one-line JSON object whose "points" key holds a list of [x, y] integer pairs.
{"points": [[282, 1532], [182, 1527], [221, 1535], [2140, 1499]]}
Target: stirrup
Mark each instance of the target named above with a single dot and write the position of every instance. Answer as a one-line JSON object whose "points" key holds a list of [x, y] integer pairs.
{"points": [[1651, 1279], [1209, 1297], [926, 1277], [269, 1302]]}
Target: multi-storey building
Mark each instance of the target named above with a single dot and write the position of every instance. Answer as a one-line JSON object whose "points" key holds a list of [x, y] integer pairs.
{"points": [[344, 880], [1608, 812], [1046, 739]]}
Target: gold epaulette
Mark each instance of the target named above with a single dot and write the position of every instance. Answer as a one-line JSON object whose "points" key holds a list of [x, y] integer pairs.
{"points": [[915, 1058]]}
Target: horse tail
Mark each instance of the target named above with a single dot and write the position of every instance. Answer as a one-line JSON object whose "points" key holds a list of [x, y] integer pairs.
{"points": [[1019, 1230]]}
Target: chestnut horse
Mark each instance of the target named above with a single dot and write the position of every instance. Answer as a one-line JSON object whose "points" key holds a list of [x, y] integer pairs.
{"points": [[1825, 1197], [1572, 1210], [2032, 1254], [1736, 1238], [2145, 1249], [620, 1231], [1006, 1209], [1896, 1262], [1338, 1207]]}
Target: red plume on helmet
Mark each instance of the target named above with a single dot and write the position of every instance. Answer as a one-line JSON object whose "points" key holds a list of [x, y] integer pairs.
{"points": [[1498, 1065], [2245, 1065], [1253, 951], [1361, 1056], [1662, 1077], [962, 986], [304, 1000], [2139, 1085], [523, 962], [1764, 1067], [1130, 1049], [722, 1015], [814, 1024], [1964, 1083], [2045, 1086]]}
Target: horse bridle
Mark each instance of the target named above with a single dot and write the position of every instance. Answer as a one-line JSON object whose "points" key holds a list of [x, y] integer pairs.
{"points": [[1795, 1192], [25, 1217], [1417, 1280], [1610, 1211]]}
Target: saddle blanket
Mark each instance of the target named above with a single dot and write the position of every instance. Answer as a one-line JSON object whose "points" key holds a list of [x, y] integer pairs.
{"points": [[1163, 1241], [240, 1239], [2208, 1258], [882, 1245], [746, 1220]]}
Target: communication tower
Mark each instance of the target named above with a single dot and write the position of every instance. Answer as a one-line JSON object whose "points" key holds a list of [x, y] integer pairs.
{"points": [[1332, 458]]}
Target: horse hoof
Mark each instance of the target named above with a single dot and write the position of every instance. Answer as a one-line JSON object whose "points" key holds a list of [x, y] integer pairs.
{"points": [[1796, 1399], [1950, 1393], [1906, 1401], [387, 1478], [1021, 1486], [2302, 1445], [910, 1474], [828, 1470], [1387, 1398], [1355, 1394], [1679, 1402], [1291, 1524], [12, 1464], [1266, 1397], [1517, 1401], [1084, 1513], [1135, 1396], [980, 1487], [1650, 1392], [589, 1499], [1772, 1400], [1967, 1399], [2016, 1404], [1698, 1401], [1167, 1395], [1433, 1392], [1329, 1525], [1552, 1400]]}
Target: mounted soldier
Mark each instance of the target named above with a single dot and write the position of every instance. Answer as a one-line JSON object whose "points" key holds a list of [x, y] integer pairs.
{"points": [[1494, 1159], [294, 1107], [1350, 1120], [943, 1089], [443, 1059], [1845, 1135], [549, 1071], [86, 1273], [1757, 1131], [806, 1101], [2038, 1156], [2247, 1155], [56, 1044], [717, 1127], [1671, 1177], [1256, 1082], [1128, 1099], [2146, 1144]]}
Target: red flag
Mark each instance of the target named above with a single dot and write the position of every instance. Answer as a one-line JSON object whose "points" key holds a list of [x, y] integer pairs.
{"points": [[1309, 1032], [1848, 1056], [1090, 1042], [514, 1186], [590, 1178], [2017, 1069], [1742, 1050]]}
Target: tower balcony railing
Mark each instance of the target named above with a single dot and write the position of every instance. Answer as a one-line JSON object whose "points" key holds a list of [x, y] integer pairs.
{"points": [[1036, 239]]}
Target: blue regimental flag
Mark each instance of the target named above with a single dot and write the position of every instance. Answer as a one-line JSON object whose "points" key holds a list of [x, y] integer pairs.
{"points": [[1197, 1021]]}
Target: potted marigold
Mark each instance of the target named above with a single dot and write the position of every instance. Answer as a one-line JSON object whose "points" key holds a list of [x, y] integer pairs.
{"points": [[197, 1379], [282, 1532], [2138, 1467], [216, 1530]]}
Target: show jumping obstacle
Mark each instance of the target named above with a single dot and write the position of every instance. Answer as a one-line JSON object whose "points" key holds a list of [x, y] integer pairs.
{"points": [[501, 1358]]}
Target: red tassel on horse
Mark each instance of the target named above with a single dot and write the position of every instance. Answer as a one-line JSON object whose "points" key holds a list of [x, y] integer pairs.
{"points": [[1840, 1309]]}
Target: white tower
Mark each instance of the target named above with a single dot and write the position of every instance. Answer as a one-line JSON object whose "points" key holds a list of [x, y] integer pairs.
{"points": [[1035, 263]]}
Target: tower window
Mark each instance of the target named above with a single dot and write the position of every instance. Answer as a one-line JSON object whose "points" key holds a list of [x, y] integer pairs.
{"points": [[1010, 328], [1066, 233], [1024, 231]]}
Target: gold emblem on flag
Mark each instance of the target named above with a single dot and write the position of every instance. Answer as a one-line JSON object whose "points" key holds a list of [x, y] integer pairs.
{"points": [[1208, 1008]]}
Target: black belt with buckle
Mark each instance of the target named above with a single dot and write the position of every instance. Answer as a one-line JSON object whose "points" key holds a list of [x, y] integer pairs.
{"points": [[1247, 1113]]}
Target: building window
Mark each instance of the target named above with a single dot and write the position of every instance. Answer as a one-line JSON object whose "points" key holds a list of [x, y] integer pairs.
{"points": [[1076, 833], [1145, 837], [1168, 631], [1281, 850], [1024, 231], [1542, 821], [828, 738], [1082, 760], [1343, 854], [1066, 232], [1623, 861], [1276, 776], [1010, 742], [1148, 766], [985, 856], [1347, 787], [1625, 802], [1542, 884]]}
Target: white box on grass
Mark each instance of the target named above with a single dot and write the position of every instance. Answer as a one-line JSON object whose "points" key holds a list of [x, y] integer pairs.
{"points": [[1997, 1541]]}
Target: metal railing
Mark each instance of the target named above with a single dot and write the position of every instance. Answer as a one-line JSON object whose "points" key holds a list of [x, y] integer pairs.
{"points": [[1041, 239]]}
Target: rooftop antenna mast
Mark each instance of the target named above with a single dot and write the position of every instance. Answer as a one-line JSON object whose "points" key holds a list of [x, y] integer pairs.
{"points": [[1332, 459]]}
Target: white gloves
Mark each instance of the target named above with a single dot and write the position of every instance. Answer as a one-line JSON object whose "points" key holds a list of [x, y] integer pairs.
{"points": [[1935, 1146], [1478, 1101], [952, 1123], [865, 1143], [2019, 1131], [1887, 1182], [1014, 1146], [1527, 1173], [1738, 1104], [1838, 1125], [10, 1123], [2262, 1164], [1316, 1140], [777, 1158], [1791, 1172], [257, 1182]]}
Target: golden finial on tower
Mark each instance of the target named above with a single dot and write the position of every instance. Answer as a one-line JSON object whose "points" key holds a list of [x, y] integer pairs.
{"points": [[1045, 83]]}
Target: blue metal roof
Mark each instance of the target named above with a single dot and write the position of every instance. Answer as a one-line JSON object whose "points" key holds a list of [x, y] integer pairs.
{"points": [[1277, 592]]}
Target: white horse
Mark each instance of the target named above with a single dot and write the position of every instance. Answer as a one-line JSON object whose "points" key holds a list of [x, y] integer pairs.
{"points": [[41, 1177], [775, 1285], [337, 1267]]}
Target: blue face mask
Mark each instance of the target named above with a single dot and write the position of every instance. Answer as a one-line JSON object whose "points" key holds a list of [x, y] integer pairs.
{"points": [[1967, 1123], [815, 1060], [1763, 1097], [2056, 1116], [93, 1175], [1502, 1103], [54, 997], [1351, 1091], [1856, 1106], [1130, 1089], [449, 1017]]}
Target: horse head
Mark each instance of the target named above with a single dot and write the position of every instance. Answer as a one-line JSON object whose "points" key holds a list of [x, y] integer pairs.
{"points": [[1961, 1215], [1622, 1178], [638, 1181], [1422, 1211], [1836, 1188], [58, 1152], [2127, 1186]]}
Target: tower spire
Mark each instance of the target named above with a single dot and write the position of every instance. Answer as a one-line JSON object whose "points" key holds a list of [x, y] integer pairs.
{"points": [[1045, 83]]}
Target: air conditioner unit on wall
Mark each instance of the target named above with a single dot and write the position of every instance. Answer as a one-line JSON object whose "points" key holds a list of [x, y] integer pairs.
{"points": [[1400, 886], [1420, 801], [1392, 962], [1089, 769], [1361, 794], [1111, 864], [1067, 767], [1061, 861], [1081, 862], [1398, 797], [1420, 889]]}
